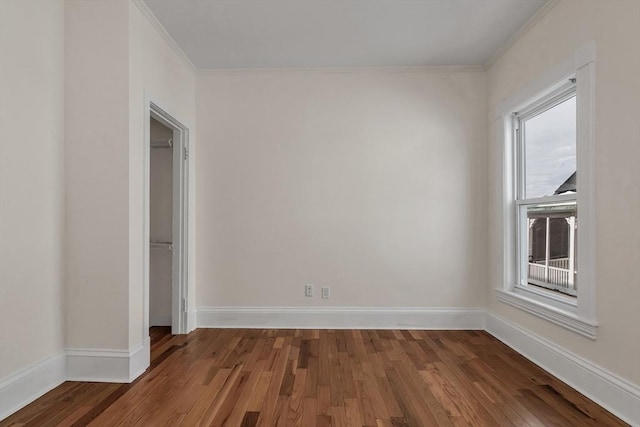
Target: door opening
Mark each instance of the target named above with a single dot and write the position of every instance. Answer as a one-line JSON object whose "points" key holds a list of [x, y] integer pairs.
{"points": [[166, 228], [160, 224]]}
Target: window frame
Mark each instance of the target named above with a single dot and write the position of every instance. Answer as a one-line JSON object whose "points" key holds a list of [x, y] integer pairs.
{"points": [[562, 93], [577, 314]]}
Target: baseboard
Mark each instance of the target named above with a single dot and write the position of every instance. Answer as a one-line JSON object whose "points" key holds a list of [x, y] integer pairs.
{"points": [[613, 393], [340, 318], [113, 366], [192, 320], [140, 359], [119, 366], [29, 384]]}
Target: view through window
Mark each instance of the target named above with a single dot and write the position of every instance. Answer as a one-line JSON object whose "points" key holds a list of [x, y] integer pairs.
{"points": [[546, 200]]}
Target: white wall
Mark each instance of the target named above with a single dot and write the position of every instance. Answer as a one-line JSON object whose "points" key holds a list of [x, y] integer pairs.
{"points": [[31, 182], [371, 182], [159, 75], [115, 60], [615, 27], [74, 77], [97, 174]]}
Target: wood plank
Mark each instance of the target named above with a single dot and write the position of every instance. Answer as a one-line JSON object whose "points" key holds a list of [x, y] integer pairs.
{"points": [[281, 377], [297, 397], [241, 404]]}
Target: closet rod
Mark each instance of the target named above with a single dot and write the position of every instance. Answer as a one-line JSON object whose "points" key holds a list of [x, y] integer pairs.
{"points": [[162, 143], [161, 245]]}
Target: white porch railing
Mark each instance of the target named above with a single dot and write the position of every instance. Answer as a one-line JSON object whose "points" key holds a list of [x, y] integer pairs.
{"points": [[537, 271], [559, 263], [556, 275]]}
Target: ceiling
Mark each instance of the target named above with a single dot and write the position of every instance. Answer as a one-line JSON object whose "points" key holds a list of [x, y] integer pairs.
{"points": [[220, 34]]}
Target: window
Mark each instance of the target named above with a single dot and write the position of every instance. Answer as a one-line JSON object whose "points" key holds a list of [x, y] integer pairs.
{"points": [[546, 202], [548, 209]]}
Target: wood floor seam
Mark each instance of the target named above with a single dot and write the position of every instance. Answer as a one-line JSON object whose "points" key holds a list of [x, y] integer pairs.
{"points": [[280, 377]]}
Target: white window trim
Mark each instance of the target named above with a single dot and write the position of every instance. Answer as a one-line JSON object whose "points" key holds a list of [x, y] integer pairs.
{"points": [[575, 314], [563, 92]]}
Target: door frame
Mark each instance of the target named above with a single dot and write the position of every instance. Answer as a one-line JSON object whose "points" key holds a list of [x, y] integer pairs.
{"points": [[180, 223]]}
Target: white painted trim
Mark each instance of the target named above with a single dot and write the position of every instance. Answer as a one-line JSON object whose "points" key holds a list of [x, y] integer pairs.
{"points": [[146, 217], [582, 318], [180, 234], [620, 397], [549, 81], [79, 364], [192, 322], [531, 22], [560, 317], [584, 55], [584, 60], [139, 359], [155, 23], [612, 392], [346, 70], [22, 388], [106, 365], [341, 318]]}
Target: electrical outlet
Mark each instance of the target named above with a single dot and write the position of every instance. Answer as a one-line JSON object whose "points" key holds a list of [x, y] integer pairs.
{"points": [[326, 292], [308, 291]]}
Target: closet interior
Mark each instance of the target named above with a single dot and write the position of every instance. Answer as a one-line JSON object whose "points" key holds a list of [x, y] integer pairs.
{"points": [[161, 224]]}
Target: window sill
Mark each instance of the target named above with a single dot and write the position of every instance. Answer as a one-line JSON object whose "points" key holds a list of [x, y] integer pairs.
{"points": [[550, 310]]}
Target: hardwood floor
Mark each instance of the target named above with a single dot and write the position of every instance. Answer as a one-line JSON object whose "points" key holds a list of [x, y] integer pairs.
{"points": [[248, 377]]}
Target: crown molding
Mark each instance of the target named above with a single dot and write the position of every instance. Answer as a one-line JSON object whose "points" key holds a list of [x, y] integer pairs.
{"points": [[153, 20], [147, 13], [531, 22], [347, 70]]}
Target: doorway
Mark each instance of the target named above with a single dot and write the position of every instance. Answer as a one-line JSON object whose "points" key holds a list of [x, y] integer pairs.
{"points": [[166, 228]]}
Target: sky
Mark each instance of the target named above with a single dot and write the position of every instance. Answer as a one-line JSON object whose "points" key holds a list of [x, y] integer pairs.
{"points": [[550, 149]]}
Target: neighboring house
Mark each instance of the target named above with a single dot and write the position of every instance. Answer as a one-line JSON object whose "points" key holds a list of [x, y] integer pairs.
{"points": [[387, 181], [552, 265]]}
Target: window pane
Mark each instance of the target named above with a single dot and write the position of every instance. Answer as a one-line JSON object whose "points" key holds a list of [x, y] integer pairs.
{"points": [[552, 246], [550, 151]]}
